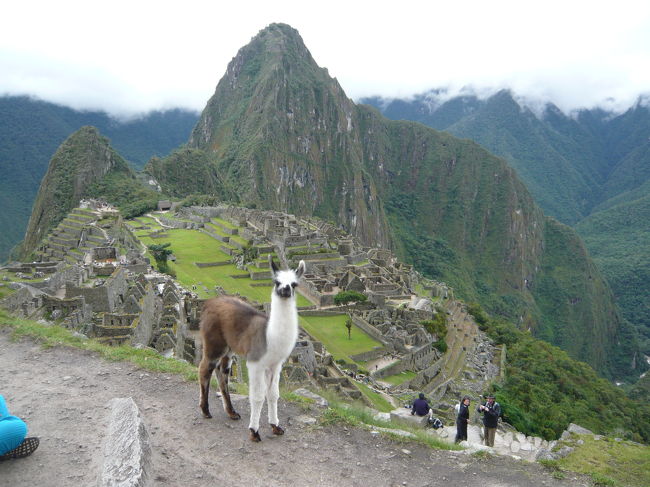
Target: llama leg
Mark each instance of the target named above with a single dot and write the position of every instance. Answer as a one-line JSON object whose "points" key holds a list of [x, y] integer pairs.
{"points": [[223, 374], [205, 373], [272, 395], [256, 388]]}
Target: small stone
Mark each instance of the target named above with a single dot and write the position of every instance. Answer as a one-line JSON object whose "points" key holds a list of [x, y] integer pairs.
{"points": [[405, 451]]}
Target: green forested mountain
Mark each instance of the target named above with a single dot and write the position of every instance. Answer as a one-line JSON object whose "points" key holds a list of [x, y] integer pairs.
{"points": [[589, 170], [618, 237], [84, 165], [280, 133], [32, 130]]}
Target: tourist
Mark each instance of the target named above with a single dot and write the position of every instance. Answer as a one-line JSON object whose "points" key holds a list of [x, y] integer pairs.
{"points": [[13, 430], [462, 419], [420, 406], [491, 411]]}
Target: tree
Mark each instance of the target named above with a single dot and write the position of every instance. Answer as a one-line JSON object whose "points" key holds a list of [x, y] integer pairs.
{"points": [[348, 325], [160, 253], [345, 297]]}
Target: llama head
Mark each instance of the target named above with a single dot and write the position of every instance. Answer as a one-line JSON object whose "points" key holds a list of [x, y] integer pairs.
{"points": [[285, 282]]}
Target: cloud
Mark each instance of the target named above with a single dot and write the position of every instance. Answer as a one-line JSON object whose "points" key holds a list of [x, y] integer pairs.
{"points": [[138, 56]]}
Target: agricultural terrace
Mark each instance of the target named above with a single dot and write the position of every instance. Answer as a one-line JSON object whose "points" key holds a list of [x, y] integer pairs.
{"points": [[331, 331], [191, 246]]}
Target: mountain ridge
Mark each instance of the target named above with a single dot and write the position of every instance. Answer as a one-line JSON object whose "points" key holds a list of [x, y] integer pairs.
{"points": [[31, 130], [577, 166], [284, 135]]}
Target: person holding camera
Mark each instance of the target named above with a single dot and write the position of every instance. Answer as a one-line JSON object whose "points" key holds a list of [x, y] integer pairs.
{"points": [[491, 411]]}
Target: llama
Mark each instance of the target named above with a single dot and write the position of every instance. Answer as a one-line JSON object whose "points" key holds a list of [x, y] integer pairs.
{"points": [[230, 326]]}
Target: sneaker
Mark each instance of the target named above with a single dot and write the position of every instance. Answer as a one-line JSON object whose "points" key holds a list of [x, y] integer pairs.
{"points": [[26, 448]]}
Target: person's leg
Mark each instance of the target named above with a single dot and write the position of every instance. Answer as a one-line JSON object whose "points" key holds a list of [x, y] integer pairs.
{"points": [[491, 434], [12, 433], [3, 407]]}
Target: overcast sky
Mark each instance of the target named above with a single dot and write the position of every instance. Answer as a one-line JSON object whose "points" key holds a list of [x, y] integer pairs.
{"points": [[128, 57]]}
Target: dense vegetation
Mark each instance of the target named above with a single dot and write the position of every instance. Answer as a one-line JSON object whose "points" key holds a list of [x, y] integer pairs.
{"points": [[347, 297], [591, 170], [438, 328], [545, 389], [126, 192], [85, 165], [618, 238]]}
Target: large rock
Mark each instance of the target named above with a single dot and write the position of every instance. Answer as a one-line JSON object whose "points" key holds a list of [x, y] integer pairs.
{"points": [[318, 400], [127, 452], [578, 430], [404, 416]]}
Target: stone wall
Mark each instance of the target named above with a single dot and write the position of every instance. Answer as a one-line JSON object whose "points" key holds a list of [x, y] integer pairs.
{"points": [[103, 298], [25, 300], [104, 253], [72, 273], [372, 331]]}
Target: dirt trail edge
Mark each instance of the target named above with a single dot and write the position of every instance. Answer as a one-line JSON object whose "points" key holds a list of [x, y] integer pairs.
{"points": [[63, 395]]}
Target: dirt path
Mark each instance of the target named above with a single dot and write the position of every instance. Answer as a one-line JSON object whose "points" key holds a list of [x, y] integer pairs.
{"points": [[62, 394]]}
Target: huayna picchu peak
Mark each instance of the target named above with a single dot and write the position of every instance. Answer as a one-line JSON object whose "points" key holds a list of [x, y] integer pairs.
{"points": [[280, 133], [84, 158], [85, 165]]}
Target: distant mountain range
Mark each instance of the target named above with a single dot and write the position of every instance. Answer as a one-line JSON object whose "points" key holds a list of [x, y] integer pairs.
{"points": [[32, 130], [589, 169], [280, 133]]}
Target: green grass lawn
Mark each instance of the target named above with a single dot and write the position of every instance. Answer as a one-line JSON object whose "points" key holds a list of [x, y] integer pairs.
{"points": [[219, 231], [400, 378], [331, 331], [224, 223], [190, 246], [378, 401], [610, 462]]}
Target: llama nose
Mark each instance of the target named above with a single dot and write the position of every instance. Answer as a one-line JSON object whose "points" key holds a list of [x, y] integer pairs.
{"points": [[285, 291]]}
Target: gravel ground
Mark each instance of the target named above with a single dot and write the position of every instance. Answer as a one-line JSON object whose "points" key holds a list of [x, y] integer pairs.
{"points": [[63, 393]]}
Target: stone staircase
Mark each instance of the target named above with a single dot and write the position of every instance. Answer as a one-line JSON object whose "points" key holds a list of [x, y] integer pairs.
{"points": [[75, 235]]}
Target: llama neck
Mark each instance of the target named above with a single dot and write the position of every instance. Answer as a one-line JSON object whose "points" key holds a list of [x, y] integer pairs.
{"points": [[283, 315]]}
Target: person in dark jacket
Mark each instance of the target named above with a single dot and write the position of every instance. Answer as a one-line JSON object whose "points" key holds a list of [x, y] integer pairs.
{"points": [[420, 406], [491, 411], [462, 419]]}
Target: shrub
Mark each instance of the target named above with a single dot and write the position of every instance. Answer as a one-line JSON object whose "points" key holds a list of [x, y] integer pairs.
{"points": [[477, 312], [345, 297], [441, 345], [437, 326]]}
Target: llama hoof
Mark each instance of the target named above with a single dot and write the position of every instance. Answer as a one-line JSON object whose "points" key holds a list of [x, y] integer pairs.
{"points": [[277, 430], [254, 436], [234, 416], [206, 414]]}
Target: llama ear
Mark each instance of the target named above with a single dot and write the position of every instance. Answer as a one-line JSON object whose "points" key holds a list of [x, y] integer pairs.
{"points": [[301, 269], [274, 269]]}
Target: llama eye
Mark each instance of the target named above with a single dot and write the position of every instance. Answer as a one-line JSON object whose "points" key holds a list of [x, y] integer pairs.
{"points": [[276, 283], [294, 284]]}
